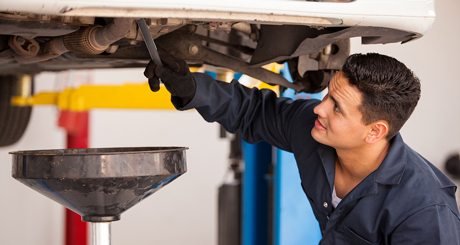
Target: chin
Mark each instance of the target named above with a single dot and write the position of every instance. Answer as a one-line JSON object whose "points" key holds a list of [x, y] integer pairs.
{"points": [[320, 138], [315, 136]]}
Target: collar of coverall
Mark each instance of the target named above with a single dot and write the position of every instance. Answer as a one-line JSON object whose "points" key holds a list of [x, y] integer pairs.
{"points": [[390, 170]]}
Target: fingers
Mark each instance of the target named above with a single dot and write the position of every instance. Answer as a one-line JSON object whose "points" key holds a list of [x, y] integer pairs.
{"points": [[153, 71], [172, 72], [166, 75], [159, 71], [169, 60], [149, 70], [154, 84]]}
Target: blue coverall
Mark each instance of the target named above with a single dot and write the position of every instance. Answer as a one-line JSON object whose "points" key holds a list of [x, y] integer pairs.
{"points": [[406, 200]]}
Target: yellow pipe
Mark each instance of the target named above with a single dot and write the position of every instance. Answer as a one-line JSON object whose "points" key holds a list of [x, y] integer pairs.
{"points": [[86, 97], [128, 96], [45, 98]]}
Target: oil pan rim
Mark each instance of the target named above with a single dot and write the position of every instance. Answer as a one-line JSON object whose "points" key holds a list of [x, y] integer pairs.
{"points": [[98, 151]]}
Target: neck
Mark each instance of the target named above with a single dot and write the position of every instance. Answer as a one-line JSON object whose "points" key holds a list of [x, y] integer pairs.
{"points": [[353, 165]]}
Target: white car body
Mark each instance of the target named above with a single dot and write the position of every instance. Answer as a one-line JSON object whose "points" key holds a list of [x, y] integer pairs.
{"points": [[312, 35], [415, 16]]}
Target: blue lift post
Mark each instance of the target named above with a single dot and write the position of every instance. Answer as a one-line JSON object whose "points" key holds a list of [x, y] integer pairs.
{"points": [[293, 217], [255, 190], [255, 200], [255, 212]]}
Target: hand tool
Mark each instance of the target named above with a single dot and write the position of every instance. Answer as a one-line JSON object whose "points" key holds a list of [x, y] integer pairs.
{"points": [[149, 42]]}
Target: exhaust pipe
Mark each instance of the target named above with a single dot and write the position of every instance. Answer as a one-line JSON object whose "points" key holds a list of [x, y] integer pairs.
{"points": [[96, 39], [87, 40]]}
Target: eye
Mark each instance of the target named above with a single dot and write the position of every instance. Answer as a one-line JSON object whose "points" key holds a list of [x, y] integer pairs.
{"points": [[336, 108]]}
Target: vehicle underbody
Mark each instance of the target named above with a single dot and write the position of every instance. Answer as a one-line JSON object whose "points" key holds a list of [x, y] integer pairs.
{"points": [[34, 43], [312, 38]]}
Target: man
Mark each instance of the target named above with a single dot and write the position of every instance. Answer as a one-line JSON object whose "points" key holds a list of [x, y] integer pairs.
{"points": [[365, 185]]}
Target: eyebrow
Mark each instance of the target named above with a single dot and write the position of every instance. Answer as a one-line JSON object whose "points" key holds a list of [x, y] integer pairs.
{"points": [[335, 101], [330, 95]]}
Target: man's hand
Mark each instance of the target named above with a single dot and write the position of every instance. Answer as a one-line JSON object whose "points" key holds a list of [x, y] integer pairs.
{"points": [[175, 75]]}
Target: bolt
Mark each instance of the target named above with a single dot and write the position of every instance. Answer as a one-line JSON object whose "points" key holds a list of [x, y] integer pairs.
{"points": [[20, 40], [212, 28], [33, 49], [193, 49], [327, 50], [192, 28]]}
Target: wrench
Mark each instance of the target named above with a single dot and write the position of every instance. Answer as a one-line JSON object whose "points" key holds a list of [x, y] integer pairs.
{"points": [[149, 42]]}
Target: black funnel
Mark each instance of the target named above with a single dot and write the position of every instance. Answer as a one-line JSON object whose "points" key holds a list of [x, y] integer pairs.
{"points": [[99, 183]]}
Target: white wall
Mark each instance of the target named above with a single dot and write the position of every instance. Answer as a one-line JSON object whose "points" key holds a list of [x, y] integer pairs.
{"points": [[433, 130], [184, 212]]}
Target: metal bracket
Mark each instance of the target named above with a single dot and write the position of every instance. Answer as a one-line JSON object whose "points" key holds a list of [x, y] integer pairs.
{"points": [[24, 47]]}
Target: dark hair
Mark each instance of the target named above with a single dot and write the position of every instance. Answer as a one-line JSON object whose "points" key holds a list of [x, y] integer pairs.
{"points": [[390, 91]]}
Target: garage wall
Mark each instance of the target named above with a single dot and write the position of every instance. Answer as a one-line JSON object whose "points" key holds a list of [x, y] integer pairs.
{"points": [[184, 212], [28, 217], [433, 129]]}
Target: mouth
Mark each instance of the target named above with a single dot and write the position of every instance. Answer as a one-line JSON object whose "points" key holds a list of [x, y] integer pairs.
{"points": [[319, 126]]}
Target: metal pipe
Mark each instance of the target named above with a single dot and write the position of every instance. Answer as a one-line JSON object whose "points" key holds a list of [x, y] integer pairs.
{"points": [[116, 30], [242, 27], [101, 233], [87, 40], [241, 48], [238, 65], [96, 39]]}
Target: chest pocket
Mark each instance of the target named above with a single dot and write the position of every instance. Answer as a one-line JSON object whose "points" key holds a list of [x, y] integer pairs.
{"points": [[357, 239]]}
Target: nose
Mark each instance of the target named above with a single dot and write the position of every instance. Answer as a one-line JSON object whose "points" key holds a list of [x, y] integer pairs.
{"points": [[320, 110]]}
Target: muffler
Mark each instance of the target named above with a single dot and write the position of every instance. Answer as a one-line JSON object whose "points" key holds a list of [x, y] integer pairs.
{"points": [[87, 40]]}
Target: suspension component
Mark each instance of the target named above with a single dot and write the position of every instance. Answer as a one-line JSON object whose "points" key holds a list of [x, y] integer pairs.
{"points": [[24, 47]]}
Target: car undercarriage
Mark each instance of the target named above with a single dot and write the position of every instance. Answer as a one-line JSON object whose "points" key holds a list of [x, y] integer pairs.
{"points": [[311, 37], [32, 44]]}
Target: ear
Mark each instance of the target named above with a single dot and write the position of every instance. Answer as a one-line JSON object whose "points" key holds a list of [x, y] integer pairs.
{"points": [[378, 130]]}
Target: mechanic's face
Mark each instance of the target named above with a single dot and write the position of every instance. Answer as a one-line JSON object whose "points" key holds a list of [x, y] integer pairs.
{"points": [[339, 122]]}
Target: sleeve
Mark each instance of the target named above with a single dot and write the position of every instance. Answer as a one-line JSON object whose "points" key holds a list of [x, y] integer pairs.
{"points": [[436, 224], [258, 114]]}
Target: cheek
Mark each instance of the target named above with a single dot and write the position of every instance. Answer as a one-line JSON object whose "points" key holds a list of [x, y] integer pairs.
{"points": [[343, 128], [337, 125]]}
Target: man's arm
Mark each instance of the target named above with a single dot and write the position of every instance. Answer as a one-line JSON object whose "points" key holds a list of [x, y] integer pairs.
{"points": [[435, 224], [258, 114]]}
